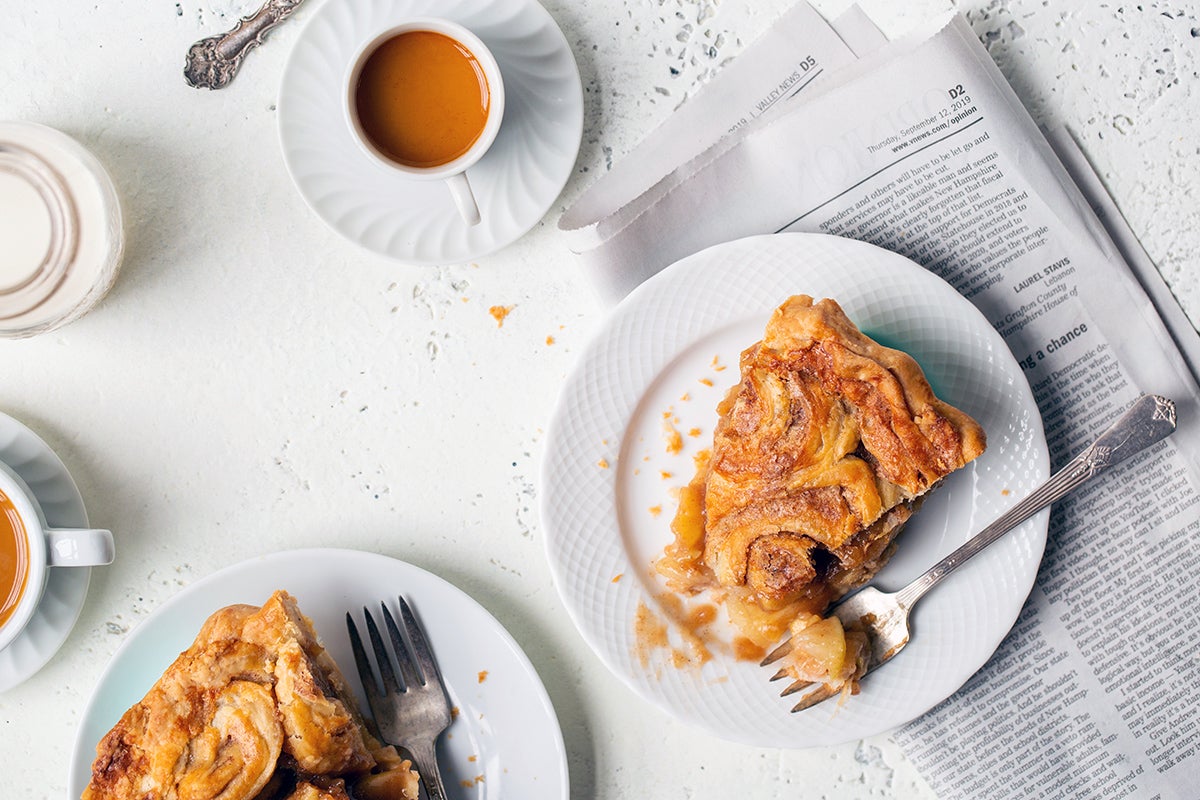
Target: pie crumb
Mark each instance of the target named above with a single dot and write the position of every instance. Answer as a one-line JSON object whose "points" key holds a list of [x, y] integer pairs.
{"points": [[499, 313]]}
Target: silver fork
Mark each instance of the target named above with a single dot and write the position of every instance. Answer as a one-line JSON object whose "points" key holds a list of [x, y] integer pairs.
{"points": [[884, 616], [413, 711]]}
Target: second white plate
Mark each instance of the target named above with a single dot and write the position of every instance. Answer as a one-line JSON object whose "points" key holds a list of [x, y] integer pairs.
{"points": [[652, 379], [505, 741]]}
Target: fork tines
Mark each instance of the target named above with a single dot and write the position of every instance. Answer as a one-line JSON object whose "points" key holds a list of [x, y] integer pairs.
{"points": [[820, 694], [410, 654], [420, 646], [413, 657], [779, 652]]}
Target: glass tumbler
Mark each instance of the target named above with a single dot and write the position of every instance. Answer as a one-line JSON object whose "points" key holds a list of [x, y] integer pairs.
{"points": [[61, 234]]}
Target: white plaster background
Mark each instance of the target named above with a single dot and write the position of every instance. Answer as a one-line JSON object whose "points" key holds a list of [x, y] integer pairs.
{"points": [[254, 383]]}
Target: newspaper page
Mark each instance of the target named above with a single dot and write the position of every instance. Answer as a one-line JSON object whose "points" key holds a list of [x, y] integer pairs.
{"points": [[783, 66], [921, 147]]}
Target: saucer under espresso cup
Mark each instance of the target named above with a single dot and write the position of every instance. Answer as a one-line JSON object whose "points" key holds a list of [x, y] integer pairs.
{"points": [[425, 99], [29, 549], [415, 222]]}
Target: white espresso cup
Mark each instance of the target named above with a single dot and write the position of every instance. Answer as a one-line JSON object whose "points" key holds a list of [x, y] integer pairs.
{"points": [[453, 172], [37, 548]]}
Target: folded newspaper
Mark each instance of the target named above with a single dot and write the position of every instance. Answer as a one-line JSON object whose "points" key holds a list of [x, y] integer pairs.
{"points": [[920, 146]]}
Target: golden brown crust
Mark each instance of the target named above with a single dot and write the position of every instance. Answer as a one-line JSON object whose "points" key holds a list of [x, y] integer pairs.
{"points": [[323, 734], [821, 453], [208, 728], [255, 692], [818, 455]]}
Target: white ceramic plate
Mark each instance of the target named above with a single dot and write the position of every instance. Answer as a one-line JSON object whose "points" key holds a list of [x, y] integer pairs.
{"points": [[48, 479], [505, 742], [515, 183], [678, 336]]}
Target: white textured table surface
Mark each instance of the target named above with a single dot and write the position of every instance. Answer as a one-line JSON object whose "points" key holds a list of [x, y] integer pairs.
{"points": [[255, 383]]}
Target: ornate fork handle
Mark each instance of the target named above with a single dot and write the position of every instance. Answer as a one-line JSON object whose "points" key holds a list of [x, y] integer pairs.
{"points": [[1150, 419], [212, 62]]}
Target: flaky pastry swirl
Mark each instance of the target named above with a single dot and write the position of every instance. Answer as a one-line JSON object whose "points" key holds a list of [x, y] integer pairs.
{"points": [[818, 457], [255, 709]]}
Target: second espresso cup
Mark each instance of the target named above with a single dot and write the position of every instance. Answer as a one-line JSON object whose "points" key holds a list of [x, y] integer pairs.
{"points": [[425, 98], [29, 549]]}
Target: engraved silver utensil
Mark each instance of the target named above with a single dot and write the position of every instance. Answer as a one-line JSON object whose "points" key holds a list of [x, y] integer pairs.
{"points": [[884, 616], [212, 62], [412, 709]]}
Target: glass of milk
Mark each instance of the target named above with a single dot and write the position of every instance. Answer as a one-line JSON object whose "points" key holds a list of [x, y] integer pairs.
{"points": [[61, 236]]}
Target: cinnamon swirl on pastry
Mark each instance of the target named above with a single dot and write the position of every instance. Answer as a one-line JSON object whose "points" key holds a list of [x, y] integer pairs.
{"points": [[255, 709], [822, 452]]}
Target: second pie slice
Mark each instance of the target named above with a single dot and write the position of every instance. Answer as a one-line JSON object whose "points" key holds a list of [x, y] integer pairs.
{"points": [[822, 452]]}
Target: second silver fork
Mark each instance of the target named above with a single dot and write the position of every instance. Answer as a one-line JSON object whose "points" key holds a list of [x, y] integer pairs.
{"points": [[411, 707]]}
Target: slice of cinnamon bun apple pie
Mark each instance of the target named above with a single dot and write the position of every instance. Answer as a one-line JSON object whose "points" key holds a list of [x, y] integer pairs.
{"points": [[255, 709], [822, 452]]}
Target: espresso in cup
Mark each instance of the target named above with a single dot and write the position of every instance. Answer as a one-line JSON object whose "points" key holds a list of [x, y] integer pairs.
{"points": [[29, 549], [14, 559], [425, 99]]}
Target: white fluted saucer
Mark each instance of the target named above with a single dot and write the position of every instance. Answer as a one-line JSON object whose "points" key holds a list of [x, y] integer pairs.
{"points": [[515, 183], [48, 479]]}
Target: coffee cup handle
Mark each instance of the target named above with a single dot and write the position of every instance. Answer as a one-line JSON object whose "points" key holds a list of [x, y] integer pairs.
{"points": [[464, 198], [79, 547]]}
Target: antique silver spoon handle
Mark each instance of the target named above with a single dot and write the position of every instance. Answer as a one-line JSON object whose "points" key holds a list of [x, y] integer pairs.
{"points": [[212, 62], [1149, 420]]}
